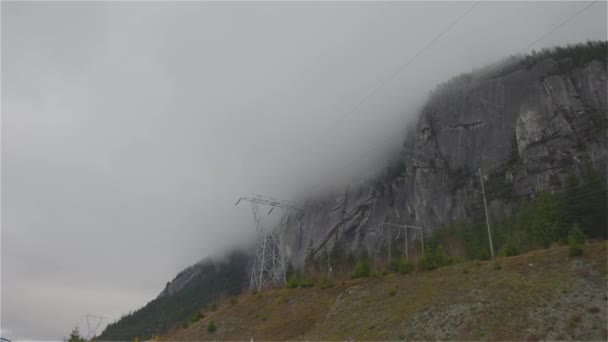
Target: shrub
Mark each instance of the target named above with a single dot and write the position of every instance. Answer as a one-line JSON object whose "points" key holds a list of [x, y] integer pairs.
{"points": [[306, 283], [362, 269], [392, 292], [575, 249], [292, 282], [457, 260], [393, 266], [234, 300], [433, 259], [576, 234], [465, 270], [405, 267], [211, 328], [576, 239], [326, 283], [484, 255], [508, 250], [427, 262], [198, 316], [496, 265], [282, 299], [441, 257]]}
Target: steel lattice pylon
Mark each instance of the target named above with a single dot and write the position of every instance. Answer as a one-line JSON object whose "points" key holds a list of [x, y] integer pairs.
{"points": [[269, 263], [93, 323]]}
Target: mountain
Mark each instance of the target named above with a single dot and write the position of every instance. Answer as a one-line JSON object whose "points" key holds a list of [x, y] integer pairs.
{"points": [[536, 125], [195, 288], [529, 123]]}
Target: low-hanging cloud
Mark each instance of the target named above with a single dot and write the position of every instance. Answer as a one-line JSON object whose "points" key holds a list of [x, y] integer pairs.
{"points": [[130, 129]]}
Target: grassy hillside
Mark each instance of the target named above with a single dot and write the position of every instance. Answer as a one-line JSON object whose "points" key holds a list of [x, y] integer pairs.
{"points": [[544, 294]]}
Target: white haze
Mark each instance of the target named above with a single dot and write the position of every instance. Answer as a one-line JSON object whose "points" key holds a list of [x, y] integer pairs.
{"points": [[129, 129]]}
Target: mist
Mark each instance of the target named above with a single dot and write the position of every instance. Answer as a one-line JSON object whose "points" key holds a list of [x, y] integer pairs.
{"points": [[129, 129]]}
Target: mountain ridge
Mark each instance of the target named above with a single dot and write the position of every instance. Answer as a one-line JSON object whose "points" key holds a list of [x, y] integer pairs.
{"points": [[529, 123]]}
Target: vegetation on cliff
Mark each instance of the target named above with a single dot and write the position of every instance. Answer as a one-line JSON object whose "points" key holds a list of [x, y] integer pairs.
{"points": [[215, 280]]}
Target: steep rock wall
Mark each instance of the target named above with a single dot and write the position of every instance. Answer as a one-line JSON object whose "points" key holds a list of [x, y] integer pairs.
{"points": [[527, 129]]}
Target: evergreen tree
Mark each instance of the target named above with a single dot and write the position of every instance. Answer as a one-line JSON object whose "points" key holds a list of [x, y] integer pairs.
{"points": [[309, 260], [337, 258], [289, 270], [547, 222], [75, 336], [593, 203]]}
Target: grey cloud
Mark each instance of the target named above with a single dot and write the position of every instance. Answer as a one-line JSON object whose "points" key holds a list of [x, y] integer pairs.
{"points": [[129, 129]]}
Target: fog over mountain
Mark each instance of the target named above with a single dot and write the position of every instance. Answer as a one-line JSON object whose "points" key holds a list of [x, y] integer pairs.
{"points": [[130, 129]]}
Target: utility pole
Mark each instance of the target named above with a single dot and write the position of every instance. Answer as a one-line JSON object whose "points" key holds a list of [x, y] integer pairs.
{"points": [[485, 206], [405, 227], [422, 238], [388, 242]]}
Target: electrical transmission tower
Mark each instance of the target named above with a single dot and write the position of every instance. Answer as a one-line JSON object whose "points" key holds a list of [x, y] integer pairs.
{"points": [[93, 323], [269, 262], [405, 243]]}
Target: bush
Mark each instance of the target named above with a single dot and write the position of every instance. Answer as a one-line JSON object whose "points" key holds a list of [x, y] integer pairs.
{"points": [[392, 292], [496, 265], [508, 250], [326, 283], [576, 235], [433, 259], [441, 257], [575, 249], [198, 316], [457, 260], [393, 266], [211, 328], [306, 283], [427, 262], [292, 282], [484, 255], [405, 267], [576, 239], [362, 269], [234, 300]]}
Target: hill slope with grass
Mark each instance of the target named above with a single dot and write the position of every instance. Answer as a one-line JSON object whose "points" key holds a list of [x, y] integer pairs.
{"points": [[545, 294]]}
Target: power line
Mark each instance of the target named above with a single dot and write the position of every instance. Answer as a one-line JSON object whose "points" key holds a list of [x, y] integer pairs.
{"points": [[434, 40], [390, 78], [557, 27]]}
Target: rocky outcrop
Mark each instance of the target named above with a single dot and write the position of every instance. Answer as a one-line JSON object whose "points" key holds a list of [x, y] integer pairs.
{"points": [[526, 128]]}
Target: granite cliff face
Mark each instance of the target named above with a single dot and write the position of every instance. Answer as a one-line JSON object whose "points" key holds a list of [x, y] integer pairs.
{"points": [[526, 125]]}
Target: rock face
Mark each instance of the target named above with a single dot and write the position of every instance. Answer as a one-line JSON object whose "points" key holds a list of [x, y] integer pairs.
{"points": [[527, 128], [186, 277]]}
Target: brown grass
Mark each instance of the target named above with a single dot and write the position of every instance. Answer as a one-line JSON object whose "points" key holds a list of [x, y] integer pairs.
{"points": [[536, 296]]}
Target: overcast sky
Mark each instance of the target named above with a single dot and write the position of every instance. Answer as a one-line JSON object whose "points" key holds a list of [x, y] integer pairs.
{"points": [[129, 129]]}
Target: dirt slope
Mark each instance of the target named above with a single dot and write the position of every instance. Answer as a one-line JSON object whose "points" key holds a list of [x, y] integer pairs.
{"points": [[540, 295]]}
